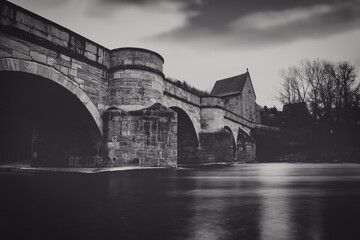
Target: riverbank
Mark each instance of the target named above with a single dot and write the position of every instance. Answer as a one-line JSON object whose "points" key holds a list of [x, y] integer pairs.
{"points": [[291, 158], [323, 157], [26, 167]]}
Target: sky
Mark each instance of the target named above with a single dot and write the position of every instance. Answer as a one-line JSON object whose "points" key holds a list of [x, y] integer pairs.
{"points": [[207, 40]]}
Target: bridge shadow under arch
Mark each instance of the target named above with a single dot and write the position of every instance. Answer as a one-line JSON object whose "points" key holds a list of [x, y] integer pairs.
{"points": [[233, 143], [45, 122], [187, 141], [245, 147]]}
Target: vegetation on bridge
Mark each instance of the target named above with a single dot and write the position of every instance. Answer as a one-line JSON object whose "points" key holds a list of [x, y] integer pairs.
{"points": [[186, 86]]}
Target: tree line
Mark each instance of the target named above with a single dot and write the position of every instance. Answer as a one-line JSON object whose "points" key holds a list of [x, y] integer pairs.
{"points": [[331, 93]]}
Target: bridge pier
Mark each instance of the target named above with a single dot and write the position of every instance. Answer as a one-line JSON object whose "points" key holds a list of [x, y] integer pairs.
{"points": [[145, 137], [216, 147], [216, 143], [246, 147]]}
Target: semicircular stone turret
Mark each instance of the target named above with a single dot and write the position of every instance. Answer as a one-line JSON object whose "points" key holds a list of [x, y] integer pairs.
{"points": [[212, 113], [136, 78]]}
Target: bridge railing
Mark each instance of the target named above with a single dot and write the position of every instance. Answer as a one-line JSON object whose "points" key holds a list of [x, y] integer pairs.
{"points": [[210, 102], [181, 93], [245, 122]]}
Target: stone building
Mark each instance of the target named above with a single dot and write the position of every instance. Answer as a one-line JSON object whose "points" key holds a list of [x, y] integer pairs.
{"points": [[239, 96]]}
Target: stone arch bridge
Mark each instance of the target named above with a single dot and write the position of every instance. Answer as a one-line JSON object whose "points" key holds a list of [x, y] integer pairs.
{"points": [[67, 100]]}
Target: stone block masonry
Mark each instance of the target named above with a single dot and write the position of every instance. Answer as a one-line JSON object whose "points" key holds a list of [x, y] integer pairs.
{"points": [[146, 137], [215, 147]]}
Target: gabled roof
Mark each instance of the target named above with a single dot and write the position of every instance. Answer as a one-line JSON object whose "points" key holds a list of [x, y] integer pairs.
{"points": [[229, 86]]}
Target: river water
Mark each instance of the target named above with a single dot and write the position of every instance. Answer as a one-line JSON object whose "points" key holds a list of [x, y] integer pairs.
{"points": [[246, 201]]}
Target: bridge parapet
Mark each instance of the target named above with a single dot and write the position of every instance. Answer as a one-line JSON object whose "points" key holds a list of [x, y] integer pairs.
{"points": [[246, 123], [181, 94], [136, 58], [265, 127], [237, 118], [16, 20], [212, 101]]}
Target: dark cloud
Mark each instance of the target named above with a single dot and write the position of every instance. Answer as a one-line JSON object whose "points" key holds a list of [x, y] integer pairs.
{"points": [[216, 15], [326, 21], [214, 19], [47, 4]]}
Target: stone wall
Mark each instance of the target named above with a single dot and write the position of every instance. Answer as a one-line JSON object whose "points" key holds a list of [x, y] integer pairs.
{"points": [[146, 137], [129, 57], [234, 103], [181, 94], [132, 89], [137, 78], [216, 147], [212, 114], [246, 147], [249, 109], [30, 26], [175, 96]]}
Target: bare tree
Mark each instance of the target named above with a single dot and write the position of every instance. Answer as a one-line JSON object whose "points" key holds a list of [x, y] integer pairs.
{"points": [[294, 86], [333, 95], [346, 90], [318, 74], [329, 89]]}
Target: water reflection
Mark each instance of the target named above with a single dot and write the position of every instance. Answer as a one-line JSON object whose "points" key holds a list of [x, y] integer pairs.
{"points": [[254, 201], [289, 210], [217, 204]]}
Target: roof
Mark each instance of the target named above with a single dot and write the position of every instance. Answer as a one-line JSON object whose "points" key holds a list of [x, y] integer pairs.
{"points": [[229, 86]]}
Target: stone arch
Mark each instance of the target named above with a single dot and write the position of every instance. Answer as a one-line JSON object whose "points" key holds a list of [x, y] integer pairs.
{"points": [[187, 140], [43, 117], [47, 72], [192, 111], [233, 146], [245, 147]]}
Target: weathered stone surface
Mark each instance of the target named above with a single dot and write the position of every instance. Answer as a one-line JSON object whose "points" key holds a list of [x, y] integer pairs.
{"points": [[137, 57], [138, 134], [23, 18], [38, 57], [135, 88], [91, 48], [5, 52], [39, 25], [29, 67], [60, 34], [181, 93], [216, 147], [11, 44], [212, 119], [246, 148], [20, 55]]}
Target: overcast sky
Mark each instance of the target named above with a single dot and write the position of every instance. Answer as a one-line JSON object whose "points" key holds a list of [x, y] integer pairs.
{"points": [[206, 40]]}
